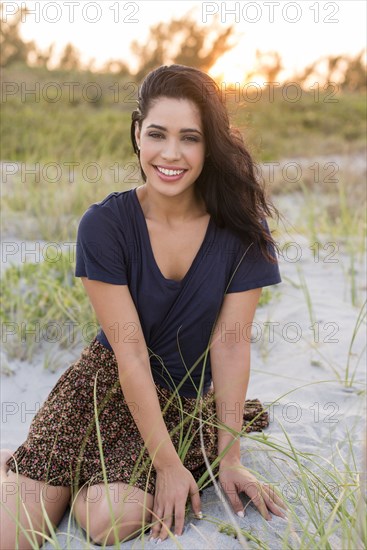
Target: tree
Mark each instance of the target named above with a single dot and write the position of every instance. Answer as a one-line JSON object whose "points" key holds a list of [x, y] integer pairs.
{"points": [[268, 65], [181, 41], [39, 58], [13, 49], [355, 74], [349, 72], [70, 58]]}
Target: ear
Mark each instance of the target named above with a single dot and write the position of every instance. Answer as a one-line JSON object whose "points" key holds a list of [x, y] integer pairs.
{"points": [[137, 134]]}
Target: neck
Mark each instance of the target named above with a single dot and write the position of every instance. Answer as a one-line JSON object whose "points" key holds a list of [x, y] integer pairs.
{"points": [[170, 210]]}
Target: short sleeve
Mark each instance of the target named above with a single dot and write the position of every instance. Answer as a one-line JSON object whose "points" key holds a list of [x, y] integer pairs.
{"points": [[100, 247], [254, 270]]}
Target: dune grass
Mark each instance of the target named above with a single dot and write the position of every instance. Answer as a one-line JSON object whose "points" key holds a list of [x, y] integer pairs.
{"points": [[43, 303], [274, 127]]}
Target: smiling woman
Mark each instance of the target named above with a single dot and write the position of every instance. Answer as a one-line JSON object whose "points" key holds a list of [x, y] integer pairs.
{"points": [[166, 266], [222, 168]]}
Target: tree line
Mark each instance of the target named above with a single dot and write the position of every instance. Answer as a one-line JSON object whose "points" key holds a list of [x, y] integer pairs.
{"points": [[192, 47]]}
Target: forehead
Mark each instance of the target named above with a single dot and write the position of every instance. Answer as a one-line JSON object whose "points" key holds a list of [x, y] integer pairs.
{"points": [[174, 111]]}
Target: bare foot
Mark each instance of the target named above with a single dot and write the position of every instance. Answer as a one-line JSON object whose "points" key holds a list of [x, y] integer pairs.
{"points": [[4, 455]]}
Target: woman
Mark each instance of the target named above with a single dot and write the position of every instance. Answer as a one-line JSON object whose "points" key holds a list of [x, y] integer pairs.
{"points": [[174, 270]]}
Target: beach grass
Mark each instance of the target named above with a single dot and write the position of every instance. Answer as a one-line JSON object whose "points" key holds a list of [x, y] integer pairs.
{"points": [[44, 303], [274, 126]]}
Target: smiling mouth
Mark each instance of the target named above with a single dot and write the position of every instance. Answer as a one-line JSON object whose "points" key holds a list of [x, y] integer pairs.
{"points": [[168, 172]]}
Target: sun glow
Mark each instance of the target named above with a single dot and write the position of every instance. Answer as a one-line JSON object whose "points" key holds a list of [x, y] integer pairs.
{"points": [[227, 70]]}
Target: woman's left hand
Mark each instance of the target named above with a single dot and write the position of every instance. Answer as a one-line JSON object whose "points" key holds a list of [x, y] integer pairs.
{"points": [[235, 478]]}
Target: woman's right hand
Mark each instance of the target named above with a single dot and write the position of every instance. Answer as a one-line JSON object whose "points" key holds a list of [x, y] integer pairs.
{"points": [[174, 483]]}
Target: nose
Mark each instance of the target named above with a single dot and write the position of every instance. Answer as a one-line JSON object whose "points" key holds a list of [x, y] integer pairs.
{"points": [[171, 150]]}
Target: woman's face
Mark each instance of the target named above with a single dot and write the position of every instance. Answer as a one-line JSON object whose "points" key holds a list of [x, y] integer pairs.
{"points": [[171, 139]]}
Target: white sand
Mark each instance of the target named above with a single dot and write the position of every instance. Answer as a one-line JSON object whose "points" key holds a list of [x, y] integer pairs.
{"points": [[314, 408]]}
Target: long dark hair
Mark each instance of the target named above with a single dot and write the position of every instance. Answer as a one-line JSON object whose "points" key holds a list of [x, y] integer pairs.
{"points": [[228, 183]]}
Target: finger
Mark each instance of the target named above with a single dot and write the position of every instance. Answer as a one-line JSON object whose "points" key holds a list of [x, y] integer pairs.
{"points": [[157, 515], [231, 491], [272, 494], [254, 491], [166, 524], [272, 506], [195, 500], [179, 521]]}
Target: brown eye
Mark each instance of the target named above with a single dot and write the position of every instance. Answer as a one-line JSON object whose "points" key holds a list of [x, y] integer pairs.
{"points": [[192, 138]]}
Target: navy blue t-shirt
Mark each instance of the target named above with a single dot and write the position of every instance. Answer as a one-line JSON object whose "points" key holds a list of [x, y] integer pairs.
{"points": [[176, 317]]}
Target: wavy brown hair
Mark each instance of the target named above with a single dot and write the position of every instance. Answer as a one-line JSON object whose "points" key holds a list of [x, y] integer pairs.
{"points": [[228, 183]]}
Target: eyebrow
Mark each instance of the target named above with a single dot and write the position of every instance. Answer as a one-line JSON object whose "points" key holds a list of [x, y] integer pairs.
{"points": [[181, 131]]}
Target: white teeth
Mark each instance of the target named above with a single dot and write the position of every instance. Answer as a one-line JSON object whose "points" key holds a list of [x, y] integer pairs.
{"points": [[170, 172]]}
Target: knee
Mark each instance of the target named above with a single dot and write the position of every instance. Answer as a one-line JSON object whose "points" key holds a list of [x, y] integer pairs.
{"points": [[104, 530], [101, 539], [131, 508], [102, 527]]}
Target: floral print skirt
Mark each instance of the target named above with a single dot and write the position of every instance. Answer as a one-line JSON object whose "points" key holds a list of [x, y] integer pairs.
{"points": [[64, 442]]}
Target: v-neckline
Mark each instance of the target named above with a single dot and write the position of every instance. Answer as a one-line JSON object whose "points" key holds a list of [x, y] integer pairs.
{"points": [[171, 282]]}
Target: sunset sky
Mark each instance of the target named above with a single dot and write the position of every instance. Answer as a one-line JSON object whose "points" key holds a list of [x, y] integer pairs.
{"points": [[298, 41]]}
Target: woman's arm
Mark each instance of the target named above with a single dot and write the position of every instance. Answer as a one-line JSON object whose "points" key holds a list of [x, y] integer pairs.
{"points": [[230, 365], [120, 322]]}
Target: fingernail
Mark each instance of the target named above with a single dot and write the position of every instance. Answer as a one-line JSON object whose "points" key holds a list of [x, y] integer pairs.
{"points": [[199, 515], [159, 541], [176, 535], [241, 514]]}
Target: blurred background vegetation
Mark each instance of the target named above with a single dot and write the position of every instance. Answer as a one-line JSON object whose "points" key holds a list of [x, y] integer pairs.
{"points": [[76, 141], [329, 118], [191, 41]]}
